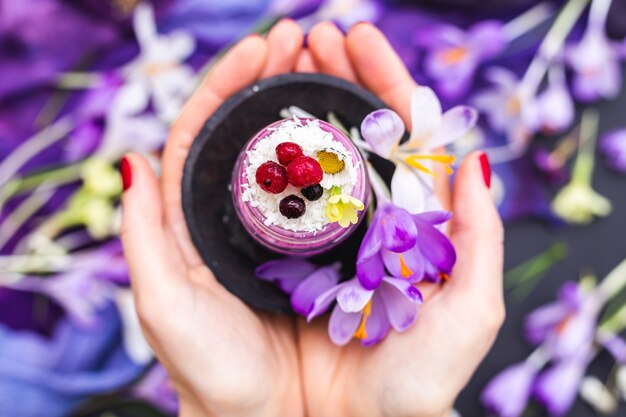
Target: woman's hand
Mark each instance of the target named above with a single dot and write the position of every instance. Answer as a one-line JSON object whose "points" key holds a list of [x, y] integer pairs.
{"points": [[224, 358], [419, 372]]}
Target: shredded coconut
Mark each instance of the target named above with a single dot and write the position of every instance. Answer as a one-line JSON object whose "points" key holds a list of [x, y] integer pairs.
{"points": [[313, 139]]}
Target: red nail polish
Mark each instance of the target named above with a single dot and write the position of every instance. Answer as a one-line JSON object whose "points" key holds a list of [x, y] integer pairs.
{"points": [[127, 173], [486, 168]]}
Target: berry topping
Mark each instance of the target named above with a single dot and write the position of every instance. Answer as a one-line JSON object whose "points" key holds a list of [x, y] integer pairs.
{"points": [[304, 172], [292, 207], [330, 162], [287, 152], [313, 192], [272, 177]]}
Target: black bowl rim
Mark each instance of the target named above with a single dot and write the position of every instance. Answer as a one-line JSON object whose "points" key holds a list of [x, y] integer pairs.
{"points": [[225, 109]]}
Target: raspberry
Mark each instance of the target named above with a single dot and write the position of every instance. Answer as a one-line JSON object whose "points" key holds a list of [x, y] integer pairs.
{"points": [[272, 177], [304, 172], [287, 152], [292, 207], [313, 192]]}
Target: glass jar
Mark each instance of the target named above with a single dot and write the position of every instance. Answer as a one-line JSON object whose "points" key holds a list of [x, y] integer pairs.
{"points": [[288, 242]]}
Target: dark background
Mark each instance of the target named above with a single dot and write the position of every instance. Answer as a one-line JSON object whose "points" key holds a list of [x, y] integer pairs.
{"points": [[597, 247]]}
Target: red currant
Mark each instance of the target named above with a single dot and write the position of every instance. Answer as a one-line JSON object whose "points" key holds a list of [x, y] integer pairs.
{"points": [[287, 152], [304, 172], [272, 177]]}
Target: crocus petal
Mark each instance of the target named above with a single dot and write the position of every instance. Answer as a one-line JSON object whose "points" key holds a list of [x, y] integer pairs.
{"points": [[407, 190], [323, 301], [455, 123], [372, 241], [426, 116], [435, 217], [370, 271], [287, 273], [488, 38], [613, 146], [312, 287], [435, 246], [508, 392], [557, 387], [543, 320], [382, 130], [398, 230], [401, 300], [377, 325], [352, 298], [413, 270], [342, 326], [575, 333]]}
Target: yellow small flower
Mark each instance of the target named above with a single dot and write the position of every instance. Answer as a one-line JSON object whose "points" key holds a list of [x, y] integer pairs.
{"points": [[343, 208], [330, 162]]}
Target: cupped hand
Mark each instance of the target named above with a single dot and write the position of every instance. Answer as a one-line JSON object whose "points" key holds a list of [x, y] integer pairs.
{"points": [[223, 358], [419, 372]]}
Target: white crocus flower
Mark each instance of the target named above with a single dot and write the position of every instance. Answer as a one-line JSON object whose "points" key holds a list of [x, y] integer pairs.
{"points": [[412, 182], [158, 72]]}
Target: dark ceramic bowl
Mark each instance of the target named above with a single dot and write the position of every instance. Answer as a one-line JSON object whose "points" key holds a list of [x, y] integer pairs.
{"points": [[216, 231]]}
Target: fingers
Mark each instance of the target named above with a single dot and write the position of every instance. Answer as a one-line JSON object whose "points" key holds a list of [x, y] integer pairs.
{"points": [[380, 69], [152, 262], [305, 62], [241, 66], [478, 235], [328, 49], [284, 43]]}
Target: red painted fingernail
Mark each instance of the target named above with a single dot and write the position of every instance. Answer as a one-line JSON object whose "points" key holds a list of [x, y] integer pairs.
{"points": [[484, 164], [126, 171]]}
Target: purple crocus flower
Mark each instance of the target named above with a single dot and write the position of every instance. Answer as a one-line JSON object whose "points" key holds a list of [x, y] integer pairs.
{"points": [[508, 393], [555, 106], [453, 55], [567, 325], [510, 107], [157, 388], [557, 387], [597, 70], [301, 279], [407, 246], [368, 315], [613, 146]]}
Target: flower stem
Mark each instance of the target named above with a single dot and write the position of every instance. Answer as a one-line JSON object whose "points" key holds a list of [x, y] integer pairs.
{"points": [[582, 172], [53, 178], [528, 20], [598, 14], [552, 44], [33, 146], [613, 283]]}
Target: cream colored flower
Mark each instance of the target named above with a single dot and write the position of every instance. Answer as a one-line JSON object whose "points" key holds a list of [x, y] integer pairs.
{"points": [[343, 208], [578, 203]]}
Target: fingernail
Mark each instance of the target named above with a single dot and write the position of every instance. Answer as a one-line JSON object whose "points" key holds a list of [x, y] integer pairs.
{"points": [[486, 168], [126, 171]]}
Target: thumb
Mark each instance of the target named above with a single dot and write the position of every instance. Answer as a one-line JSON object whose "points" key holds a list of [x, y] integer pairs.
{"points": [[149, 253], [477, 234]]}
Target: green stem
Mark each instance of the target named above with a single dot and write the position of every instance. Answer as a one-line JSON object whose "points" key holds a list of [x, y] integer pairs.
{"points": [[536, 266], [55, 177], [528, 20], [582, 172], [552, 43]]}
